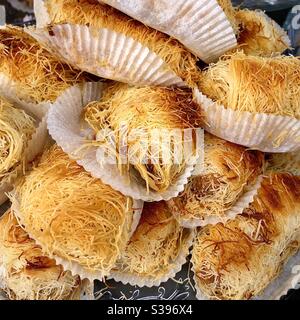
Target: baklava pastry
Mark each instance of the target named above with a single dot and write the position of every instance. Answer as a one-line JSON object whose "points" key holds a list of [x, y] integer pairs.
{"points": [[240, 259], [259, 34], [227, 184], [21, 139], [253, 101], [206, 28], [77, 220], [129, 136], [156, 251], [97, 38], [26, 273]]}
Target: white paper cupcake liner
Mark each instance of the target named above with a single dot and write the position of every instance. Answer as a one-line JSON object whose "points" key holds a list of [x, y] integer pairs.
{"points": [[107, 54], [65, 127], [74, 267], [238, 208], [289, 278], [264, 132], [201, 26], [148, 281]]}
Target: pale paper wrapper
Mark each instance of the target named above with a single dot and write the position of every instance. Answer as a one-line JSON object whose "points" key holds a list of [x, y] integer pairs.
{"points": [[68, 265], [9, 90], [147, 281], [103, 52], [289, 278], [241, 204], [264, 132], [201, 26], [65, 127]]}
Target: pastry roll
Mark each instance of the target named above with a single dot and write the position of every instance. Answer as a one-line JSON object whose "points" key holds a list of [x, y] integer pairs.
{"points": [[28, 274], [156, 251], [79, 221], [229, 178], [239, 259], [16, 130]]}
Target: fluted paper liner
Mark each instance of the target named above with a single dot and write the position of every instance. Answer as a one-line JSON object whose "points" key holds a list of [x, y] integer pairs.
{"points": [[107, 54], [287, 279], [260, 131], [68, 265], [65, 127], [39, 138], [147, 281], [201, 26], [241, 204]]}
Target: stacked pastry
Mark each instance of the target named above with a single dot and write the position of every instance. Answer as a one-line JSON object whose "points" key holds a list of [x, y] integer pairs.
{"points": [[131, 185]]}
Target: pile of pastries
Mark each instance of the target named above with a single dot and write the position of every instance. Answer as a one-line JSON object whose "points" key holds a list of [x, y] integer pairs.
{"points": [[87, 205]]}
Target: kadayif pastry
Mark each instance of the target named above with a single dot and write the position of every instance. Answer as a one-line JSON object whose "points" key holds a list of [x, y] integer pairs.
{"points": [[26, 272], [240, 259], [81, 222]]}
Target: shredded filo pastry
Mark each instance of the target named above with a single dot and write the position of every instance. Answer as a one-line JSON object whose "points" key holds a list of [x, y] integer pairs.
{"points": [[228, 172], [26, 273], [284, 162], [259, 34], [72, 215], [239, 259], [98, 15], [37, 74], [157, 249], [137, 112], [255, 84], [16, 129]]}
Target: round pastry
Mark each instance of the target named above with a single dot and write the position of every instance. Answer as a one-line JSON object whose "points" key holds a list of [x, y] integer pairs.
{"points": [[190, 21], [34, 72], [134, 113], [240, 259], [16, 130], [99, 39], [227, 183], [26, 273], [81, 222], [253, 101], [260, 35], [156, 251]]}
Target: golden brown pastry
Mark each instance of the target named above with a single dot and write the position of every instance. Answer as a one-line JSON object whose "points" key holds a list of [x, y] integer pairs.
{"points": [[26, 273], [259, 34], [156, 251], [238, 260], [140, 110], [74, 216], [255, 84], [37, 74], [99, 15], [229, 171], [16, 130]]}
